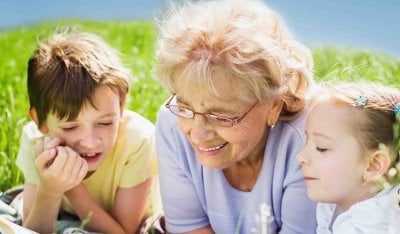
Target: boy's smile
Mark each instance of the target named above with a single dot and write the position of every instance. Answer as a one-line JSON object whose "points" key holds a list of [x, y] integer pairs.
{"points": [[92, 134]]}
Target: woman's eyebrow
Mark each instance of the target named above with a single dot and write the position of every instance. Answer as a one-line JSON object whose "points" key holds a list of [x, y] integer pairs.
{"points": [[212, 108]]}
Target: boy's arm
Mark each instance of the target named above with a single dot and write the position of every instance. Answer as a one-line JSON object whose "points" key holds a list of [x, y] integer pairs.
{"points": [[40, 208], [59, 169], [129, 207], [131, 204]]}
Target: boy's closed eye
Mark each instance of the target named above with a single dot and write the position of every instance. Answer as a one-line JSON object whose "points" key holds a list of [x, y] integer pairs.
{"points": [[68, 128], [106, 123]]}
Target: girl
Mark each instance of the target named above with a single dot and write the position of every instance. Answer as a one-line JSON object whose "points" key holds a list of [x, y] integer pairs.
{"points": [[344, 157]]}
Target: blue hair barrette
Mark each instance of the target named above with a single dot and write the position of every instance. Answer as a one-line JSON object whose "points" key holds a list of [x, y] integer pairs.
{"points": [[362, 101], [396, 109]]}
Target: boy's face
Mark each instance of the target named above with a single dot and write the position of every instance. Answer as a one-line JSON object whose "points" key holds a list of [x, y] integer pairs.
{"points": [[332, 160], [93, 133]]}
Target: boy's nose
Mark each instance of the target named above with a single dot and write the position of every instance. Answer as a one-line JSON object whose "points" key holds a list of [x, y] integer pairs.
{"points": [[90, 140]]}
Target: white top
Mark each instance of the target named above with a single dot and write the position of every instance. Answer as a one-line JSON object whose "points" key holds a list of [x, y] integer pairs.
{"points": [[377, 215]]}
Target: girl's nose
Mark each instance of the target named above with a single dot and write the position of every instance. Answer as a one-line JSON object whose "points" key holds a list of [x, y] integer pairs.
{"points": [[302, 157]]}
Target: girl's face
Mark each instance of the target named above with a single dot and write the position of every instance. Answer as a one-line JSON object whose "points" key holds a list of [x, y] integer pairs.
{"points": [[332, 160], [221, 147], [93, 133]]}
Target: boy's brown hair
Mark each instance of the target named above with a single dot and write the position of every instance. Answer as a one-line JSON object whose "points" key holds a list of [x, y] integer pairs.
{"points": [[65, 70]]}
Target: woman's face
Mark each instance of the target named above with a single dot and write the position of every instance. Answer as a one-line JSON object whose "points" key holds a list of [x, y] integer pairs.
{"points": [[217, 146]]}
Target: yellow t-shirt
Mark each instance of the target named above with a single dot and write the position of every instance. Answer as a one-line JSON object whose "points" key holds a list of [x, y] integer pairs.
{"points": [[130, 162]]}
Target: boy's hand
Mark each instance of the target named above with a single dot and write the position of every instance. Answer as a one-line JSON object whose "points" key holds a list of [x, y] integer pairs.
{"points": [[60, 168], [46, 143]]}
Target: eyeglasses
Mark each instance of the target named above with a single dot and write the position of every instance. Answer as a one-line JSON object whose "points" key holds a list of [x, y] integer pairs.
{"points": [[213, 119]]}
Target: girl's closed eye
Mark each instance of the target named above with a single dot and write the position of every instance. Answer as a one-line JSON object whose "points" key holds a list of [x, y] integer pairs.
{"points": [[321, 149]]}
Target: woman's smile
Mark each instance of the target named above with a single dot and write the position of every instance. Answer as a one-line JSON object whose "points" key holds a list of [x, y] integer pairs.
{"points": [[213, 150]]}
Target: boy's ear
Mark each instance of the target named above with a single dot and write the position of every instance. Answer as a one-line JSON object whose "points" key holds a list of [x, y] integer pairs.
{"points": [[378, 164], [33, 114]]}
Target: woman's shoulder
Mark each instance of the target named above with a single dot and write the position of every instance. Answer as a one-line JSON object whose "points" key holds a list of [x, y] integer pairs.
{"points": [[290, 132], [298, 123], [165, 118], [167, 125]]}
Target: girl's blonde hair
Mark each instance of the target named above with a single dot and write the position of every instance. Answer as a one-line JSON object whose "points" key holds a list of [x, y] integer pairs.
{"points": [[373, 109], [244, 40]]}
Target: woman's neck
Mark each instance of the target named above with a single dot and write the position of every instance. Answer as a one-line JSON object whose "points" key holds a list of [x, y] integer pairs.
{"points": [[243, 175]]}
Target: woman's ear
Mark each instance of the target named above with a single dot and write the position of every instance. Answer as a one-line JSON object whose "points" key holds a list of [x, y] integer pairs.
{"points": [[274, 112], [379, 162], [33, 114]]}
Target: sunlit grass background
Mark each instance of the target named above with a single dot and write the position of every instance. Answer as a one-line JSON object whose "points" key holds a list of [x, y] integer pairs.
{"points": [[135, 41]]}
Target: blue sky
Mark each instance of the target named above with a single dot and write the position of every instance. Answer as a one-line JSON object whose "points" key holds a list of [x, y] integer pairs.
{"points": [[364, 24]]}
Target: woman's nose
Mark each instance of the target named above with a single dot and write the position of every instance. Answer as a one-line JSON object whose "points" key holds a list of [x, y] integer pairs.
{"points": [[201, 131]]}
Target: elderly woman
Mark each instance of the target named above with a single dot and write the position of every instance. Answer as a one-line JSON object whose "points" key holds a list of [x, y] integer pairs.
{"points": [[229, 134]]}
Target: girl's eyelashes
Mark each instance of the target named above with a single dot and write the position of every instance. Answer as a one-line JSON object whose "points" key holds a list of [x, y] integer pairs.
{"points": [[321, 149]]}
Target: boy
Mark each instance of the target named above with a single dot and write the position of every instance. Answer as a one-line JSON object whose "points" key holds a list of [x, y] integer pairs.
{"points": [[83, 153]]}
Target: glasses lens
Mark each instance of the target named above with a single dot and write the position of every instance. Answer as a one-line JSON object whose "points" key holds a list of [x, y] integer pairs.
{"points": [[181, 111], [219, 120]]}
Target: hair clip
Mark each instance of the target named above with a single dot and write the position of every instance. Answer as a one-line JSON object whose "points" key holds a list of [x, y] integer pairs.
{"points": [[361, 101], [396, 109]]}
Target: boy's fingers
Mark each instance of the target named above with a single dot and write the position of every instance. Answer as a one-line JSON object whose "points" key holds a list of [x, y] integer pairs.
{"points": [[52, 142], [83, 170], [60, 160], [46, 140], [80, 169], [44, 158], [71, 160]]}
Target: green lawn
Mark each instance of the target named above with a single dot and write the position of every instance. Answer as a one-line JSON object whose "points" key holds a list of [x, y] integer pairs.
{"points": [[135, 41]]}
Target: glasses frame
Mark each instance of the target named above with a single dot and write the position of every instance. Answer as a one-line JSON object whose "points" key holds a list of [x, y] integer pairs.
{"points": [[233, 121]]}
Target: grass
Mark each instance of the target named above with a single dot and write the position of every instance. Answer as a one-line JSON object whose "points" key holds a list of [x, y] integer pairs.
{"points": [[135, 41]]}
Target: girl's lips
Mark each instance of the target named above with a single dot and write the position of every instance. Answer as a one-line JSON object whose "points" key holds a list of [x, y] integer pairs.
{"points": [[309, 178]]}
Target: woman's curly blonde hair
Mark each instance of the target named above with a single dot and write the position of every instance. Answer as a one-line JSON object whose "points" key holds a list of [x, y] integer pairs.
{"points": [[244, 40]]}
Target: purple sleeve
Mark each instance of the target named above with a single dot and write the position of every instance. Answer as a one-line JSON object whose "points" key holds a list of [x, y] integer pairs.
{"points": [[183, 209], [298, 213]]}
